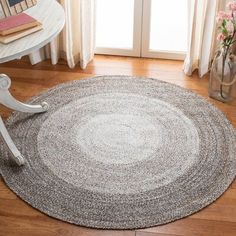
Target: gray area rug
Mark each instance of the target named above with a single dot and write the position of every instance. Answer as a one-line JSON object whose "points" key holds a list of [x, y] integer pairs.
{"points": [[118, 152]]}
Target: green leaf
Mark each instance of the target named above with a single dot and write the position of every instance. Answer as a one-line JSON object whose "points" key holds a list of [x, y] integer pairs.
{"points": [[224, 23]]}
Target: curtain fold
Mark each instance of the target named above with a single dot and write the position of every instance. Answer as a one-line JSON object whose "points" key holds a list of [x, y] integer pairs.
{"points": [[202, 34], [75, 44]]}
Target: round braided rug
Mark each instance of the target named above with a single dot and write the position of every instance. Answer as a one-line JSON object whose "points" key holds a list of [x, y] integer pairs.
{"points": [[119, 152]]}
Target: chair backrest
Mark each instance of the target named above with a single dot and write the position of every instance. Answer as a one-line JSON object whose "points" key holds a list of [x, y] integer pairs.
{"points": [[13, 7]]}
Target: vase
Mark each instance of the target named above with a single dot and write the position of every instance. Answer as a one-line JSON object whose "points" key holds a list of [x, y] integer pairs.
{"points": [[222, 76]]}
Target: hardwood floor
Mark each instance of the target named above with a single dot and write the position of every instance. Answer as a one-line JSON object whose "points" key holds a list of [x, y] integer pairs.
{"points": [[19, 219]]}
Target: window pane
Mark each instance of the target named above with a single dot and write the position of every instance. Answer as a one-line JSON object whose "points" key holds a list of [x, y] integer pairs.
{"points": [[114, 23], [169, 25]]}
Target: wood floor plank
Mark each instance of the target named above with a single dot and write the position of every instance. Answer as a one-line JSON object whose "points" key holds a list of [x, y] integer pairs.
{"points": [[5, 193], [19, 219], [38, 226], [153, 234], [228, 198], [196, 227], [218, 213], [233, 185]]}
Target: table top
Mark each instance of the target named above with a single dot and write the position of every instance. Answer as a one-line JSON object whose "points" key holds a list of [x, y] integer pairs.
{"points": [[51, 14]]}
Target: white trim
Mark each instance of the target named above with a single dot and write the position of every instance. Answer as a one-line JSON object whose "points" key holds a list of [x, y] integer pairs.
{"points": [[116, 51], [146, 27], [137, 32], [165, 55]]}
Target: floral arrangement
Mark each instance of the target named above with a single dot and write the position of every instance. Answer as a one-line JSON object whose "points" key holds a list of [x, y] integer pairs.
{"points": [[227, 25], [223, 68]]}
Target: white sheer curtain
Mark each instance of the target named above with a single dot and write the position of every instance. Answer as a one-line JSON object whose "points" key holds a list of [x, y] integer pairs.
{"points": [[202, 32], [76, 42]]}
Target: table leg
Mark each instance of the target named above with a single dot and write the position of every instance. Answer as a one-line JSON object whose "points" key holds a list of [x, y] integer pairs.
{"points": [[18, 158], [9, 101]]}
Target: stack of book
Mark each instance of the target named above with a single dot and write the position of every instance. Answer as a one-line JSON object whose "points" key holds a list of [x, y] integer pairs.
{"points": [[18, 26]]}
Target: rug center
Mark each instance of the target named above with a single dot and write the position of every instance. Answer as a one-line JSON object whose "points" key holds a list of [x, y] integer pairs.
{"points": [[117, 139]]}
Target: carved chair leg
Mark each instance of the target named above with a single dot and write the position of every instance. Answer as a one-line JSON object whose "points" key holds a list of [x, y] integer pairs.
{"points": [[9, 101]]}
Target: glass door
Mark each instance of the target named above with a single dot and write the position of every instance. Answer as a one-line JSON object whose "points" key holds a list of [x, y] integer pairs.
{"points": [[118, 27], [142, 28], [165, 27]]}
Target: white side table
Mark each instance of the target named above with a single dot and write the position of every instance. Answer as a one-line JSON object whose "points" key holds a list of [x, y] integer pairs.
{"points": [[51, 14]]}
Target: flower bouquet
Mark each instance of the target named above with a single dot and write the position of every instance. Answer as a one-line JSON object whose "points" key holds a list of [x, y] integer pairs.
{"points": [[222, 77]]}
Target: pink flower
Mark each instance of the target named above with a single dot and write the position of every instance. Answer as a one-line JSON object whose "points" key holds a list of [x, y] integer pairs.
{"points": [[223, 16], [230, 27], [232, 6], [220, 37]]}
